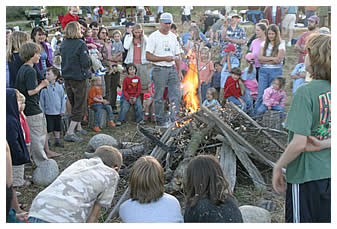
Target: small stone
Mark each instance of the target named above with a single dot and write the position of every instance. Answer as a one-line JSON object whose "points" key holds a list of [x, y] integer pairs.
{"points": [[46, 172], [253, 214], [101, 140], [267, 204]]}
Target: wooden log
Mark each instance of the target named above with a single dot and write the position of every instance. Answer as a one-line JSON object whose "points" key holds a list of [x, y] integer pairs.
{"points": [[228, 165], [279, 144], [155, 153], [247, 163], [193, 146], [226, 128]]}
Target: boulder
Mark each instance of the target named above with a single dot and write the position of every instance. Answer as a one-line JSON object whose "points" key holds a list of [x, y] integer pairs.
{"points": [[101, 140], [46, 172], [253, 214]]}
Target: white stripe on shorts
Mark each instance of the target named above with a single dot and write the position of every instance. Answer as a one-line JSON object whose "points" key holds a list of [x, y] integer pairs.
{"points": [[296, 202]]}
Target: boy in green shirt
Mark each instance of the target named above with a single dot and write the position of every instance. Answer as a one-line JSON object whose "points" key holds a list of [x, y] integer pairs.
{"points": [[307, 157]]}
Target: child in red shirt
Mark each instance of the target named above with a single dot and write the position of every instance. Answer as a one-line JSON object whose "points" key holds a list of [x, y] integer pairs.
{"points": [[70, 16], [131, 95], [97, 103], [233, 91]]}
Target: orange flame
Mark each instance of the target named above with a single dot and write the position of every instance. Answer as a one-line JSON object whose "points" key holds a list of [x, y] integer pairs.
{"points": [[190, 88]]}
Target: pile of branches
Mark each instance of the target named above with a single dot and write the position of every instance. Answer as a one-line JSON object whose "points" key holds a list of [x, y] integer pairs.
{"points": [[228, 133]]}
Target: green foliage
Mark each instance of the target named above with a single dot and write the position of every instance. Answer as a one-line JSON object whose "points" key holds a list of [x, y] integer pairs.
{"points": [[15, 13], [55, 11]]}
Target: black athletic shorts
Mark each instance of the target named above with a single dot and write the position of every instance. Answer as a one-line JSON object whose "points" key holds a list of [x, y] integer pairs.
{"points": [[309, 202], [53, 123]]}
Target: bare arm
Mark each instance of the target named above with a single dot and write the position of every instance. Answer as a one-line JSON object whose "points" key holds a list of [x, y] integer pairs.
{"points": [[44, 83], [95, 212], [154, 58]]}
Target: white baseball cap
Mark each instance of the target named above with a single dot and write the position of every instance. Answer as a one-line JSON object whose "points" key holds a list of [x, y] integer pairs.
{"points": [[166, 18]]}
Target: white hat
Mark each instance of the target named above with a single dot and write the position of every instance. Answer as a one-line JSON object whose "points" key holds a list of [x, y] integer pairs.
{"points": [[166, 18], [57, 33]]}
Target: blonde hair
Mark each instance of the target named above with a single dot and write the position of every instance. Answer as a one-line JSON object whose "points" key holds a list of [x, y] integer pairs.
{"points": [[205, 50], [319, 53], [146, 180], [77, 7], [213, 92], [116, 32], [73, 30], [110, 156], [15, 41], [19, 96]]}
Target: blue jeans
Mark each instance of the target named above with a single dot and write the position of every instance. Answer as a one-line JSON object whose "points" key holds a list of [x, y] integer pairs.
{"points": [[125, 108], [204, 87], [98, 108], [166, 77], [263, 108], [266, 77], [246, 107]]}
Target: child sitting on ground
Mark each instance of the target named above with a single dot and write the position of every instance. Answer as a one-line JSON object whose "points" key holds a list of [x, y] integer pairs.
{"points": [[116, 52], [94, 53], [216, 78], [149, 103], [211, 99], [97, 103], [274, 97], [298, 75], [248, 78], [229, 61], [131, 95], [53, 104], [233, 92]]}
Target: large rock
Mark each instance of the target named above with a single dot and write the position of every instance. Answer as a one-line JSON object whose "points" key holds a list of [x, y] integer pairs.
{"points": [[253, 214], [46, 172], [101, 140]]}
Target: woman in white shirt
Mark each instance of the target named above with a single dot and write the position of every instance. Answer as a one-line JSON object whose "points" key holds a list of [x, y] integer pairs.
{"points": [[271, 57]]}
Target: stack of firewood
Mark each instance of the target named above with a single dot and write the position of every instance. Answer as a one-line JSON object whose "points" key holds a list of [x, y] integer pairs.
{"points": [[228, 133]]}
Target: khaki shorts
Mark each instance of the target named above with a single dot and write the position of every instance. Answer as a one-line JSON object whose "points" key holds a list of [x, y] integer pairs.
{"points": [[289, 21]]}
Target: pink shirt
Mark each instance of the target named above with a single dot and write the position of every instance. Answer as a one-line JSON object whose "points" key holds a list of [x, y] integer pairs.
{"points": [[272, 97], [205, 70], [255, 48]]}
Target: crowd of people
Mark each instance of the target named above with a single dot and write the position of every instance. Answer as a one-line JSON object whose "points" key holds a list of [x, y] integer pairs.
{"points": [[81, 71]]}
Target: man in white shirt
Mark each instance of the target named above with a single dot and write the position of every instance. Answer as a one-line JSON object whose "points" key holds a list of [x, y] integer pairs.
{"points": [[163, 50], [186, 13]]}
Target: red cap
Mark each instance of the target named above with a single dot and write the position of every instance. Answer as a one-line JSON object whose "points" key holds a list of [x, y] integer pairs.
{"points": [[229, 48]]}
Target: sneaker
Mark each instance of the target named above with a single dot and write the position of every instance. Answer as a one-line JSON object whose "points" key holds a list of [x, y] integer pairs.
{"points": [[153, 117], [72, 138], [103, 69], [58, 143], [289, 44], [118, 123], [146, 116], [99, 73], [96, 129], [142, 122], [115, 112], [82, 132], [111, 124]]}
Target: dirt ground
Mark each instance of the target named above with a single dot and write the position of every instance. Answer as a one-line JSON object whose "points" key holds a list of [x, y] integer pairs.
{"points": [[244, 191]]}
